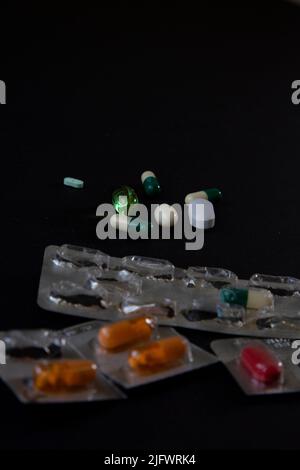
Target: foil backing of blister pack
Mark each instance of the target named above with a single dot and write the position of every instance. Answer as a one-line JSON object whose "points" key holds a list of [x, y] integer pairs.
{"points": [[105, 288]]}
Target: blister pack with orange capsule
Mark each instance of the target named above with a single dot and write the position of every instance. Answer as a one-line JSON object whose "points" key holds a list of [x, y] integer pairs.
{"points": [[41, 366], [261, 367], [134, 351]]}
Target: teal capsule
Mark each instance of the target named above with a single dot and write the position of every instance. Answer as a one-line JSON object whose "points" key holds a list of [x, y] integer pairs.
{"points": [[234, 296], [73, 182], [212, 195], [150, 183]]}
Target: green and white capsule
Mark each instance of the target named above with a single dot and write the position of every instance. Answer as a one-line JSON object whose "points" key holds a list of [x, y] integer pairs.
{"points": [[150, 183], [248, 298], [212, 195]]}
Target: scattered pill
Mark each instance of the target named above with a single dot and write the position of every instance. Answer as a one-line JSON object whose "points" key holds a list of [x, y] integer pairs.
{"points": [[126, 332], [248, 298], [123, 198], [63, 376], [166, 215], [161, 353], [212, 194], [73, 182], [261, 364], [150, 183], [201, 214]]}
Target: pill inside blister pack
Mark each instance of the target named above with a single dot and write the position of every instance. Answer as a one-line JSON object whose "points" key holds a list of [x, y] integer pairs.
{"points": [[43, 367], [136, 351], [260, 366], [89, 283]]}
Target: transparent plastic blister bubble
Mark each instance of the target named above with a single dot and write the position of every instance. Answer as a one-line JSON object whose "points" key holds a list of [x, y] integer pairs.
{"points": [[159, 308], [260, 366], [70, 291], [141, 362], [120, 283], [217, 277], [77, 257], [67, 293], [232, 314], [42, 367], [203, 298], [279, 285], [30, 345], [152, 268]]}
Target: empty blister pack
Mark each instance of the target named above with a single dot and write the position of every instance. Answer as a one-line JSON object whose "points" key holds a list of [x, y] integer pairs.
{"points": [[83, 289], [261, 366], [42, 367], [89, 283], [135, 352]]}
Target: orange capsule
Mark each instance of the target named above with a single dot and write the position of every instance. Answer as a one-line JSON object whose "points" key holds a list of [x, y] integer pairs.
{"points": [[64, 376], [162, 353], [125, 332]]}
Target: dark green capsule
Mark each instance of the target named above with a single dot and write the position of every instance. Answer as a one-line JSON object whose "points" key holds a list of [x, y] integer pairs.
{"points": [[150, 183], [213, 194]]}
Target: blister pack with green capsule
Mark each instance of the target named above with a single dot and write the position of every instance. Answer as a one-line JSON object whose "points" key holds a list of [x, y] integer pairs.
{"points": [[89, 283]]}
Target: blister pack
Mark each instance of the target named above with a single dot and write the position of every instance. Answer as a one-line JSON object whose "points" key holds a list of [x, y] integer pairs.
{"points": [[135, 351], [42, 367], [260, 367], [89, 283]]}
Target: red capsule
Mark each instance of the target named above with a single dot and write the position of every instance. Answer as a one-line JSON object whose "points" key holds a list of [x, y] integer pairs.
{"points": [[261, 364]]}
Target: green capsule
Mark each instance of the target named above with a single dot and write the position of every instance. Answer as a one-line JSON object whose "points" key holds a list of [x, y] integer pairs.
{"points": [[212, 195], [150, 183], [123, 198], [234, 296]]}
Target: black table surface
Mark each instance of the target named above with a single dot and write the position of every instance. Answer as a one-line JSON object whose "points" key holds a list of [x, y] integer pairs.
{"points": [[201, 97]]}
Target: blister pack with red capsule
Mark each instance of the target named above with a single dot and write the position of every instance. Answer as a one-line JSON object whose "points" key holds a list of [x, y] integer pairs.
{"points": [[261, 366]]}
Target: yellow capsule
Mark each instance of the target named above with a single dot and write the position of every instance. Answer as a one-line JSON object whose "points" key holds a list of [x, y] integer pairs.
{"points": [[158, 354], [126, 332], [64, 376]]}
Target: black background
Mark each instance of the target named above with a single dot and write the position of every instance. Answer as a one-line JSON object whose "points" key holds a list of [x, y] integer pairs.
{"points": [[201, 97]]}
